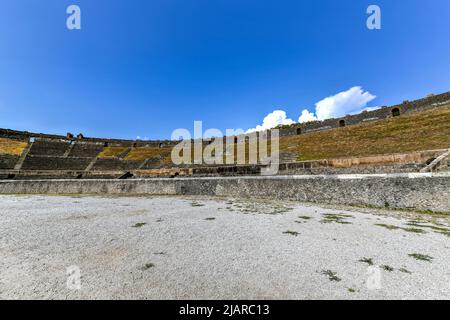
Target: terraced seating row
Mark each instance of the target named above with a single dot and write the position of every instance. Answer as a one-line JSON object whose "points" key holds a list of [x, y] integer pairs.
{"points": [[49, 148], [88, 150], [115, 164], [55, 163], [8, 161], [43, 175]]}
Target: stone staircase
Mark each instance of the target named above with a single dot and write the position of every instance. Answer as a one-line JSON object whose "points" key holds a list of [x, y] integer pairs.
{"points": [[23, 156], [440, 163]]}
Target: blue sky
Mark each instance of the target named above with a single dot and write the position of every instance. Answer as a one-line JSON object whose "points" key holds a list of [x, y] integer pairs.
{"points": [[145, 68]]}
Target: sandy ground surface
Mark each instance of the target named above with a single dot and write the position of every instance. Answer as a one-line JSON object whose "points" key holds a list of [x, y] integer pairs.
{"points": [[201, 248]]}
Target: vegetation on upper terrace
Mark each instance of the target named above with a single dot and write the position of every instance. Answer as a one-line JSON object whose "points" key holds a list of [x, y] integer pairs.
{"points": [[424, 130], [12, 147], [111, 152], [143, 153]]}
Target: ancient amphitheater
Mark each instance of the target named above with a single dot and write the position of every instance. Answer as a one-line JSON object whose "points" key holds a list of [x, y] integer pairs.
{"points": [[412, 137], [139, 226]]}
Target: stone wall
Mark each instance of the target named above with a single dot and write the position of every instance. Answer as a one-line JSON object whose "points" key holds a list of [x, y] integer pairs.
{"points": [[26, 136], [379, 114], [294, 169], [412, 191]]}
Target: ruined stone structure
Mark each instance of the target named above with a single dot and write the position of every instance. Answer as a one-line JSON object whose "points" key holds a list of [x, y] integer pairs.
{"points": [[25, 155], [32, 163], [429, 102]]}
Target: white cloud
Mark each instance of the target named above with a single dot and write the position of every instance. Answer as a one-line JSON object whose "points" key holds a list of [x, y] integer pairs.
{"points": [[371, 108], [306, 116], [272, 120], [351, 101]]}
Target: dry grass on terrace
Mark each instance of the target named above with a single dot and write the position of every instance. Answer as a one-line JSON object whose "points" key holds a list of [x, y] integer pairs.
{"points": [[12, 147], [425, 130], [111, 152], [147, 152]]}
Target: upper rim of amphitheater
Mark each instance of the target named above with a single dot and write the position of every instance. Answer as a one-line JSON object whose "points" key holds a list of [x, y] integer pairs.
{"points": [[429, 102]]}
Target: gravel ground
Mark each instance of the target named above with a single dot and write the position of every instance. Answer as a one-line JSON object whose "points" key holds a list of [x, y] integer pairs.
{"points": [[202, 248]]}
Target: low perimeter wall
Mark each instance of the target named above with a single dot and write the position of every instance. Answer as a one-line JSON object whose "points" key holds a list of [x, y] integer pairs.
{"points": [[429, 191]]}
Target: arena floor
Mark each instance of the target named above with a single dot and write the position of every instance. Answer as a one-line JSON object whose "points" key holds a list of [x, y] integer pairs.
{"points": [[202, 248]]}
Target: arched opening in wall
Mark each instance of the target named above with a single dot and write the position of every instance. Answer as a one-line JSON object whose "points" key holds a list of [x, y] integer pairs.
{"points": [[235, 140], [134, 145], [161, 145], [105, 144], [395, 112], [299, 131], [341, 123]]}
